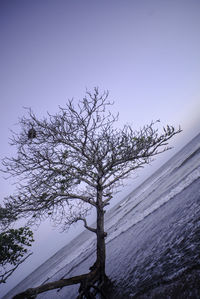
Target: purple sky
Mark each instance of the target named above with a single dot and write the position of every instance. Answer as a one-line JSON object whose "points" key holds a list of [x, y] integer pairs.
{"points": [[146, 53]]}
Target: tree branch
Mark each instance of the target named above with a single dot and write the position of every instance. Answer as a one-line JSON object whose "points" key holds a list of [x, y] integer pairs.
{"points": [[91, 277], [86, 226]]}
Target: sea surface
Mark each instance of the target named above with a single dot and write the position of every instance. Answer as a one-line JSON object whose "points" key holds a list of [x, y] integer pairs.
{"points": [[153, 242]]}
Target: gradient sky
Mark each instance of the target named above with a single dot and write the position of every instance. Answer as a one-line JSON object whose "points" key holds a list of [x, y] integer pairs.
{"points": [[146, 53]]}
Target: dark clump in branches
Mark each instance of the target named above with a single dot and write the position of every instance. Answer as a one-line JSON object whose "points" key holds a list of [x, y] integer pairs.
{"points": [[31, 133], [75, 162]]}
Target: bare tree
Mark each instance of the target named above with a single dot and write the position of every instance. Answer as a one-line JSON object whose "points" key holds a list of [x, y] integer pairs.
{"points": [[72, 161]]}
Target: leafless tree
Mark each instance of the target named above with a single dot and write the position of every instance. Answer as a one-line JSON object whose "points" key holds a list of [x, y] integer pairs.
{"points": [[75, 160]]}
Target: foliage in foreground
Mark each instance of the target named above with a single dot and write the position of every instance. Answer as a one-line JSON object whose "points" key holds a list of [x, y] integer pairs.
{"points": [[13, 250]]}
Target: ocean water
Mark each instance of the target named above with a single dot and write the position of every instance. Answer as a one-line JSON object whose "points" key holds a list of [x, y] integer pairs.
{"points": [[153, 243]]}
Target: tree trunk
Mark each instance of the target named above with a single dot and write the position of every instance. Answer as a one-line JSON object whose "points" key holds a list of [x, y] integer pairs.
{"points": [[101, 249]]}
